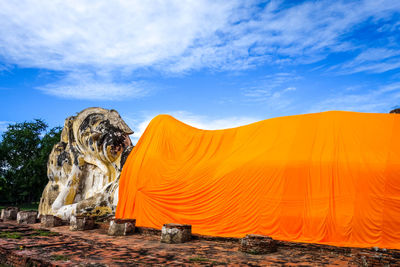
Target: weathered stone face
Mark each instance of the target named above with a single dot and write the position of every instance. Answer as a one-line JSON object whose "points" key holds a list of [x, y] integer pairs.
{"points": [[84, 167]]}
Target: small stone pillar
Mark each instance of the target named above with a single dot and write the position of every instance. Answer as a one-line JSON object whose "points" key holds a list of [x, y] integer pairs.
{"points": [[121, 226], [9, 213], [50, 221], [257, 244], [176, 233], [81, 223], [27, 217]]}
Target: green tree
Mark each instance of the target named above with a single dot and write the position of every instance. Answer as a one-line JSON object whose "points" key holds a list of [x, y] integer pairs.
{"points": [[24, 152]]}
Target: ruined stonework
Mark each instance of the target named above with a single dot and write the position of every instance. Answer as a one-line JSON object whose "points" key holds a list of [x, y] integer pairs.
{"points": [[27, 217], [48, 221], [9, 213], [257, 244], [120, 227], [81, 223], [84, 167], [173, 233]]}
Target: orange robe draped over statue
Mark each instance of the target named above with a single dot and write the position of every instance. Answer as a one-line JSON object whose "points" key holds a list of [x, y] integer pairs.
{"points": [[331, 178]]}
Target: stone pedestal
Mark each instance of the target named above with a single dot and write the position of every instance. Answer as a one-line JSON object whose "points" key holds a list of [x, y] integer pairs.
{"points": [[81, 223], [121, 227], [9, 213], [50, 221], [27, 217], [257, 244], [176, 233]]}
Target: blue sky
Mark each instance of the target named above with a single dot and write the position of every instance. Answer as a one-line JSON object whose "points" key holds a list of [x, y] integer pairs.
{"points": [[212, 64]]}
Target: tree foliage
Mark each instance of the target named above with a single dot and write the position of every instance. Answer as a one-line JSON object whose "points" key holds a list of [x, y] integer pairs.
{"points": [[24, 151]]}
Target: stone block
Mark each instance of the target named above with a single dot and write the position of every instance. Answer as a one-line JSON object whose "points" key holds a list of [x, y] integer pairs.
{"points": [[119, 227], [9, 213], [50, 221], [176, 233], [27, 217], [81, 223], [257, 244]]}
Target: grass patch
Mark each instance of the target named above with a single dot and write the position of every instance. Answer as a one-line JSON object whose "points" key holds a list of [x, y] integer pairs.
{"points": [[12, 235], [18, 235], [205, 260], [198, 259], [39, 232], [218, 263], [253, 252], [59, 258]]}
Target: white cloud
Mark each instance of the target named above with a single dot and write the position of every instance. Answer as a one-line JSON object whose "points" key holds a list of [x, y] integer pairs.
{"points": [[61, 35], [175, 35], [179, 35], [378, 100], [197, 121]]}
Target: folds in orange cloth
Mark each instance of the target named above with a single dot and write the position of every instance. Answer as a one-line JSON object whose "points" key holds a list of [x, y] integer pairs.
{"points": [[330, 178]]}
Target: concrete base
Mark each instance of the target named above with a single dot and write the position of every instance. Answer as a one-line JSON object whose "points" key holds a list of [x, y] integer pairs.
{"points": [[176, 233], [257, 244], [27, 217], [50, 221], [120, 227], [81, 223], [9, 213]]}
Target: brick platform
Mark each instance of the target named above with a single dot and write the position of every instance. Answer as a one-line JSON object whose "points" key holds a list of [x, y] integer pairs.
{"points": [[96, 248]]}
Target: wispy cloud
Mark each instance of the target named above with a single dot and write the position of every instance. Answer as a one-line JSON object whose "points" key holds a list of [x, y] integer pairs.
{"points": [[4, 125], [377, 100], [86, 85], [272, 90], [180, 36], [373, 60], [198, 121]]}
